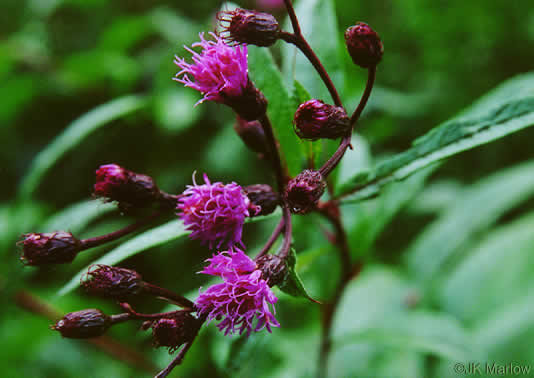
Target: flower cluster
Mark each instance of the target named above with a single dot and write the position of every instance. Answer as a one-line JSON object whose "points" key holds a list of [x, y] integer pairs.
{"points": [[242, 298], [215, 213]]}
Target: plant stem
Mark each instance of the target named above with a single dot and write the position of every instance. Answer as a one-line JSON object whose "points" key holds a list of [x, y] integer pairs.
{"points": [[99, 240], [332, 212], [176, 361], [276, 232], [132, 314], [345, 142], [168, 295], [273, 149], [298, 40], [286, 246]]}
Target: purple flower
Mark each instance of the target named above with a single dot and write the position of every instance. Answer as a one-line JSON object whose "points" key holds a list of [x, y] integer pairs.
{"points": [[218, 72], [215, 213], [243, 302]]}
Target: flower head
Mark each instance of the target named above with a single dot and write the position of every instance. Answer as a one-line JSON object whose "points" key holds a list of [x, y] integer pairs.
{"points": [[214, 212], [244, 301], [83, 324], [314, 120], [218, 71]]}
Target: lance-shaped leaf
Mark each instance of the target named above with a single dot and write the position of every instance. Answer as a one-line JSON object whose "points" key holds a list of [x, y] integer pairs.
{"points": [[292, 284]]}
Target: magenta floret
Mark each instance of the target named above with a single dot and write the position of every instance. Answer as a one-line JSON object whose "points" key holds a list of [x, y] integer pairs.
{"points": [[218, 71], [243, 302], [215, 213]]}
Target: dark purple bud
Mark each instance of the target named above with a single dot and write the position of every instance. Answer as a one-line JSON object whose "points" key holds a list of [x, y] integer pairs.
{"points": [[251, 133], [364, 45], [248, 26], [112, 282], [273, 269], [263, 196], [303, 192], [250, 105], [128, 188], [58, 247], [174, 331], [315, 120], [83, 324]]}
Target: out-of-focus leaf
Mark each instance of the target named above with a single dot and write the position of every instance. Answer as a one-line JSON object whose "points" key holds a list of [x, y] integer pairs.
{"points": [[426, 332], [493, 274], [175, 110], [76, 217], [494, 116], [474, 210], [365, 221], [268, 79], [436, 197], [292, 284], [125, 32], [74, 135], [173, 25]]}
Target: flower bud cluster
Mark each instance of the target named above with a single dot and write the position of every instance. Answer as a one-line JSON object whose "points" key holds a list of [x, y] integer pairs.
{"points": [[58, 247]]}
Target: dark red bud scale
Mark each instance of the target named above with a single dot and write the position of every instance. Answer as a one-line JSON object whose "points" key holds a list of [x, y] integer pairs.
{"points": [[251, 133], [264, 196], [316, 120], [174, 331], [303, 192], [112, 282], [364, 45], [49, 248], [273, 269], [83, 324], [248, 26]]}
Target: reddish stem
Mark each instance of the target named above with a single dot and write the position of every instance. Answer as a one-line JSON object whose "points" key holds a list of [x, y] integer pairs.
{"points": [[273, 149], [276, 232], [168, 295], [286, 246], [334, 160], [99, 240]]}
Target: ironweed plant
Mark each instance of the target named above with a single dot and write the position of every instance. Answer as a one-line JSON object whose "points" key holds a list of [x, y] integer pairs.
{"points": [[243, 299]]}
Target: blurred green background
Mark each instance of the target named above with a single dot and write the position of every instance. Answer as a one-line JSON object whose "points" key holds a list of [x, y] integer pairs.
{"points": [[452, 258]]}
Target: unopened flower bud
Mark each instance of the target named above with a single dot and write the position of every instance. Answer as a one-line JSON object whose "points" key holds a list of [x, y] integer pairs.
{"points": [[248, 26], [273, 269], [58, 247], [303, 192], [251, 133], [83, 324], [263, 196], [112, 282], [315, 120], [128, 188], [174, 331], [364, 45]]}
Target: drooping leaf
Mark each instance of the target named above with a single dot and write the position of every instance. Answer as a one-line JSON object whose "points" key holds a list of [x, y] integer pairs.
{"points": [[292, 284], [267, 77], [493, 274], [422, 331], [74, 134], [76, 217], [494, 116], [472, 211]]}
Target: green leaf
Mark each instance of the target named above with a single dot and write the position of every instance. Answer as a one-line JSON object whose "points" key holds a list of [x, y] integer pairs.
{"points": [[74, 134], [494, 116], [493, 274], [266, 76], [355, 166], [318, 23], [292, 284], [474, 210], [425, 332], [75, 218]]}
